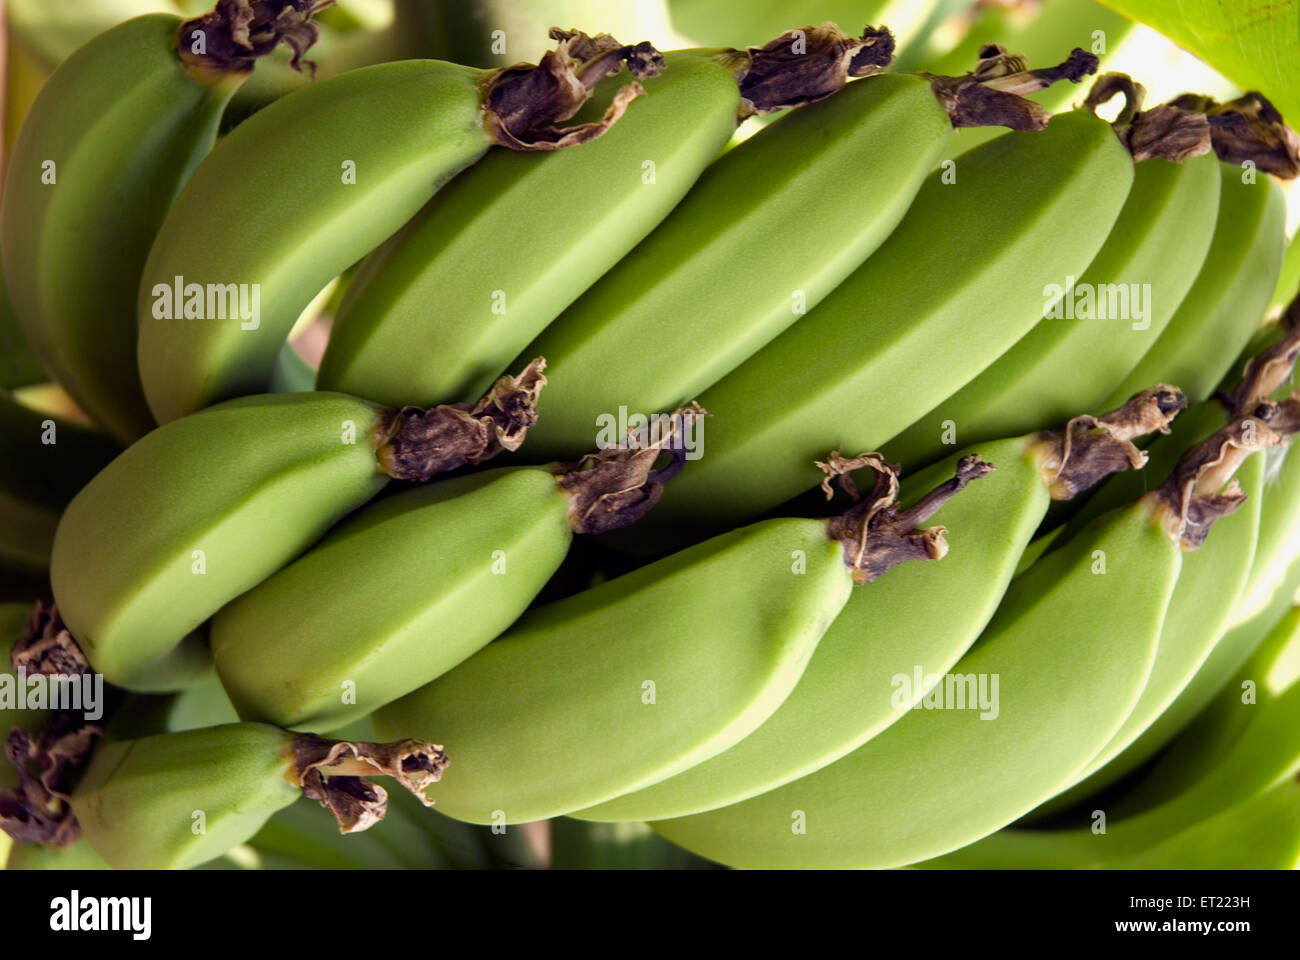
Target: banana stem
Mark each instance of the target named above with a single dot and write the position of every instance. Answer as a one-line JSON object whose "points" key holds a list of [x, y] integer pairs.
{"points": [[418, 443], [1200, 489], [1089, 448], [1270, 368], [876, 535], [615, 487], [335, 772], [232, 36], [993, 94]]}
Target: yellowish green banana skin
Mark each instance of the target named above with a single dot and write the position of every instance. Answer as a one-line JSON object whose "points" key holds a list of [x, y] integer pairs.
{"points": [[108, 143], [351, 632], [786, 217], [206, 507], [439, 311], [1209, 584], [1245, 780], [650, 700], [368, 148], [833, 378], [891, 630], [939, 779], [176, 800], [1230, 296], [1073, 359]]}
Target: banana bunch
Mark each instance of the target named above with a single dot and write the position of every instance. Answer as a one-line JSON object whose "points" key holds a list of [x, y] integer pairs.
{"points": [[438, 312], [1065, 336], [346, 643], [208, 506], [1225, 796], [785, 218], [932, 783], [654, 701], [368, 148], [108, 143]]}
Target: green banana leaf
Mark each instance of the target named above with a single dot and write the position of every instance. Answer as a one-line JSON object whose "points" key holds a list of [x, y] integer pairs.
{"points": [[1251, 42]]}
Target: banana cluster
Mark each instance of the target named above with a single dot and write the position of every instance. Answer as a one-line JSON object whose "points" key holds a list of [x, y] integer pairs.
{"points": [[681, 597]]}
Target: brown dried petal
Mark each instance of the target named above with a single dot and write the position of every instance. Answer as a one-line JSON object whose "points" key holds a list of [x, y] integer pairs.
{"points": [[876, 535], [417, 443], [613, 488], [521, 103], [47, 647], [1089, 448], [236, 33], [335, 771], [993, 94], [805, 65], [37, 810]]}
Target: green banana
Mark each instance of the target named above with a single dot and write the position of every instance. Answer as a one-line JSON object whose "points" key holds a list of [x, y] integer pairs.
{"points": [[111, 138], [1076, 650], [1211, 583], [177, 800], [848, 694], [833, 377], [1214, 644], [329, 639], [1288, 281], [1203, 744], [368, 148], [617, 650], [207, 507], [770, 231], [1242, 779], [1262, 833], [744, 23], [1230, 295], [54, 31], [43, 463], [1098, 328], [443, 307]]}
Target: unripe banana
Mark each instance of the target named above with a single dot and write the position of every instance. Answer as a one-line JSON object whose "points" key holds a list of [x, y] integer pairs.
{"points": [[1260, 755], [850, 691], [835, 376], [1211, 584], [1230, 295], [329, 639], [1100, 326], [43, 463], [443, 307], [207, 507], [615, 681], [368, 148], [768, 232], [108, 143], [1075, 646], [176, 800]]}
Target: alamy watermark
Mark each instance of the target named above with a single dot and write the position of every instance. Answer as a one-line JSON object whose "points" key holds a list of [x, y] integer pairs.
{"points": [[74, 693], [952, 691], [213, 301], [1099, 301]]}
